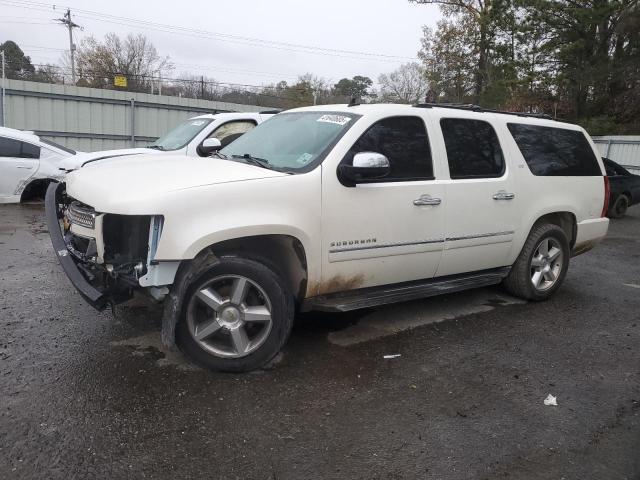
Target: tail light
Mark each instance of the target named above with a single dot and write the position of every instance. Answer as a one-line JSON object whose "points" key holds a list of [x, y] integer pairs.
{"points": [[607, 193]]}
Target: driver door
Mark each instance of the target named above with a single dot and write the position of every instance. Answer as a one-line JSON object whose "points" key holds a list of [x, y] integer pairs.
{"points": [[386, 230]]}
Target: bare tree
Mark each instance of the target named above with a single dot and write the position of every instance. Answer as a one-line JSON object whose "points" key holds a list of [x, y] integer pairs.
{"points": [[135, 57], [407, 84]]}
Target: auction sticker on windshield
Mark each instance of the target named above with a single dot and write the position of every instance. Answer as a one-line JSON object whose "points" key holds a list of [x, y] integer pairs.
{"points": [[337, 119]]}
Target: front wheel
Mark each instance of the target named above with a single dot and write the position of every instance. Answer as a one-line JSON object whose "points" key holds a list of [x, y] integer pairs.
{"points": [[542, 264], [236, 316]]}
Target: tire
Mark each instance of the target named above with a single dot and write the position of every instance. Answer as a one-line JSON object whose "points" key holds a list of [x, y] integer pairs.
{"points": [[223, 324], [521, 278], [619, 207]]}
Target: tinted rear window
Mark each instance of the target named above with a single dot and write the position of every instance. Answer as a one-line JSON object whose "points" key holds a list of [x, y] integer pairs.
{"points": [[473, 149], [551, 151]]}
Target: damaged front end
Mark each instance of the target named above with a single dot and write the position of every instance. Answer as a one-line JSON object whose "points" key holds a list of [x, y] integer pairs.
{"points": [[104, 255]]}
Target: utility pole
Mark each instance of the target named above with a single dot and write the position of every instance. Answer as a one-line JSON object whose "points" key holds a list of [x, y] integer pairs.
{"points": [[3, 104], [66, 20]]}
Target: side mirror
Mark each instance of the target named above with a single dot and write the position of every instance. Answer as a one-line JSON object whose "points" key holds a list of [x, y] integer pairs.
{"points": [[210, 145], [366, 166]]}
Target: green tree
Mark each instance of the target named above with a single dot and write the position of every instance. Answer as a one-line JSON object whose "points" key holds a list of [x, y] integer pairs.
{"points": [[356, 87], [591, 42], [481, 21], [447, 56], [17, 65]]}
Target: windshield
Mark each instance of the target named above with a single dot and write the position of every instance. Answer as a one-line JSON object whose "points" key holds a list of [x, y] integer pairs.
{"points": [[292, 141], [181, 135]]}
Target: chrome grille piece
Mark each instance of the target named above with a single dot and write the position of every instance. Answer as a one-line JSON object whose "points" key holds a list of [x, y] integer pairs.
{"points": [[82, 215]]}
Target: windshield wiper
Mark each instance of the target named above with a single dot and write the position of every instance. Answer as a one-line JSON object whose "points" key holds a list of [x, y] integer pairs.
{"points": [[156, 147], [260, 162], [220, 155]]}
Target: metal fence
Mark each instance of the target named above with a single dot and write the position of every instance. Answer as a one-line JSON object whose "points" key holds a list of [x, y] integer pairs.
{"points": [[622, 149], [91, 119]]}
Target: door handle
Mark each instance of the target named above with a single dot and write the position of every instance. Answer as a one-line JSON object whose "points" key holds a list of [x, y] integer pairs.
{"points": [[427, 200], [504, 195]]}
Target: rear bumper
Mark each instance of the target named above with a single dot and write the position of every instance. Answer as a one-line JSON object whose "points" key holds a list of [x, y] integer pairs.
{"points": [[588, 234], [92, 295]]}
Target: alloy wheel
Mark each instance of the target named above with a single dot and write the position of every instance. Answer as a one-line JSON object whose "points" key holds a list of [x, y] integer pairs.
{"points": [[546, 264], [230, 316]]}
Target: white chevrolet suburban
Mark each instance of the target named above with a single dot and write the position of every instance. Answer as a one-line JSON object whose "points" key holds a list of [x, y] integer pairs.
{"points": [[331, 208]]}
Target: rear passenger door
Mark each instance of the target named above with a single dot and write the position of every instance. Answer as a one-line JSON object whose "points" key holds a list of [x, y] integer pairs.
{"points": [[18, 161], [481, 198]]}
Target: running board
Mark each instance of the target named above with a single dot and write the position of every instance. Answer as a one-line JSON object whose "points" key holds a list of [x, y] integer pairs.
{"points": [[401, 292]]}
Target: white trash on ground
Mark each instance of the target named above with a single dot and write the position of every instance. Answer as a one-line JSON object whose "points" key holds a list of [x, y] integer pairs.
{"points": [[392, 356], [550, 400]]}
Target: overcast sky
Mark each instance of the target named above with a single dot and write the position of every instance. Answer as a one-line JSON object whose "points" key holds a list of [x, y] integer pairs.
{"points": [[388, 29]]}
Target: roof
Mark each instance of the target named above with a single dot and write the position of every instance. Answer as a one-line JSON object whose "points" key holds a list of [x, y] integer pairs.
{"points": [[19, 134], [461, 111]]}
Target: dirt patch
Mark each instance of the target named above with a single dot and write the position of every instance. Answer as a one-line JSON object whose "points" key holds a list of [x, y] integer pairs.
{"points": [[335, 284]]}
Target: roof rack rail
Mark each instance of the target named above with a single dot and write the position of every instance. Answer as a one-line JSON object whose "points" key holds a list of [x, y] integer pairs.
{"points": [[477, 108]]}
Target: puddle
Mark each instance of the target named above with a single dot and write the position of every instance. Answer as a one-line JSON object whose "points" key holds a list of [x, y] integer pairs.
{"points": [[150, 345]]}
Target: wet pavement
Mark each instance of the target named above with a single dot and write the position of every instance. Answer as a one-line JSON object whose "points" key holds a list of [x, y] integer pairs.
{"points": [[84, 395]]}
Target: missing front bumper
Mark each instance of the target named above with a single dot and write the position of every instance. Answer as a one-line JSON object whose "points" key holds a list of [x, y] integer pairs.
{"points": [[81, 276]]}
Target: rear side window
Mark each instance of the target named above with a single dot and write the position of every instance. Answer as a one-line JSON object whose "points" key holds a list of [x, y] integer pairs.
{"points": [[473, 149], [404, 141], [15, 148], [613, 168], [551, 151]]}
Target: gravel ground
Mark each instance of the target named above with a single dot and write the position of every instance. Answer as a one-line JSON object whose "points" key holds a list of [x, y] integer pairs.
{"points": [[86, 395]]}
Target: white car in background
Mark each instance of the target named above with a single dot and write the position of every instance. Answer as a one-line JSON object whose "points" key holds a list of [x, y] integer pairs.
{"points": [[196, 137], [27, 164]]}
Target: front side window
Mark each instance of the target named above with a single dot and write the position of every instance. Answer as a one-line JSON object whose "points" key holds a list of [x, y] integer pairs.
{"points": [[293, 142], [181, 135], [230, 131], [551, 151], [473, 149], [404, 141], [17, 149]]}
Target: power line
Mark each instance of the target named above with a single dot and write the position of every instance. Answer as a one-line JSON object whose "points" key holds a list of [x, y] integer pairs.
{"points": [[243, 40], [143, 77]]}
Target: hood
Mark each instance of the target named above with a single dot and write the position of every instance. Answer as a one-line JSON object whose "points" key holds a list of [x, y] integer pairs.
{"points": [[76, 161], [114, 185]]}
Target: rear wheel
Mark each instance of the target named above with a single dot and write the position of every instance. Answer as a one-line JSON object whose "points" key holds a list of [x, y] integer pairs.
{"points": [[619, 207], [542, 264], [236, 316]]}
